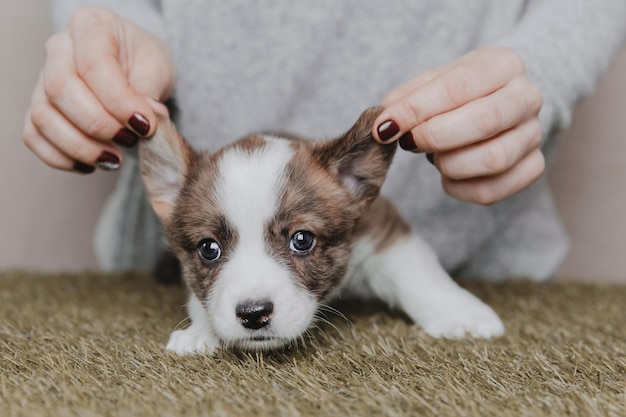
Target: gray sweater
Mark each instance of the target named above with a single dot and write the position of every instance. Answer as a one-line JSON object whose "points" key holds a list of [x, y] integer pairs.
{"points": [[310, 68]]}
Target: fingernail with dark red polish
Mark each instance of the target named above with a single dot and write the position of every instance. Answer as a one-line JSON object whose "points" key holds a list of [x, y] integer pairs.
{"points": [[407, 143], [139, 124], [387, 130], [431, 157], [108, 161], [83, 168], [126, 137]]}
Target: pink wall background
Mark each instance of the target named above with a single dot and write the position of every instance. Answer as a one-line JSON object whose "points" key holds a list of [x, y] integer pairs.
{"points": [[47, 217], [589, 182]]}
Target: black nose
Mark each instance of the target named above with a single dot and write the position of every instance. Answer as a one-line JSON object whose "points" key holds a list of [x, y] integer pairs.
{"points": [[254, 314]]}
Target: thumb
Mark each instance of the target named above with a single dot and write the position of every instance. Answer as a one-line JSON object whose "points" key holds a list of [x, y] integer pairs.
{"points": [[158, 107]]}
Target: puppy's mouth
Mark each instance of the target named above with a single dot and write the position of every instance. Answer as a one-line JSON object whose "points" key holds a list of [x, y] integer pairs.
{"points": [[257, 342], [260, 338]]}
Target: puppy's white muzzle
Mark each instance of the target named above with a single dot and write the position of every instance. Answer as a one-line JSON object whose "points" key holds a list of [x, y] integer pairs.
{"points": [[257, 302]]}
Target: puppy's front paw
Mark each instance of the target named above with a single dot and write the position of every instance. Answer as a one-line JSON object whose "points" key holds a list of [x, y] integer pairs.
{"points": [[190, 341], [466, 316]]}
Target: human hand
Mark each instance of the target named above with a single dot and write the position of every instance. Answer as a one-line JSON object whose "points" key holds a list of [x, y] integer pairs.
{"points": [[94, 91], [477, 120]]}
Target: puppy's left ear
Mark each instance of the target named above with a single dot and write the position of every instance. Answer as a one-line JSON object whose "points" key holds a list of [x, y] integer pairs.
{"points": [[359, 162], [164, 161]]}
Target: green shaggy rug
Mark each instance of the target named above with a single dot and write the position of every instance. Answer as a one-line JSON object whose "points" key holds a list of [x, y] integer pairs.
{"points": [[91, 345]]}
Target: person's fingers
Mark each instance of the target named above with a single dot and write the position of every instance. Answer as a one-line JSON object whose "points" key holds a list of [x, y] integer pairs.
{"points": [[421, 79], [70, 95], [152, 74], [97, 56], [477, 120], [490, 157], [488, 70], [49, 154], [490, 190], [64, 136], [413, 84], [158, 107]]}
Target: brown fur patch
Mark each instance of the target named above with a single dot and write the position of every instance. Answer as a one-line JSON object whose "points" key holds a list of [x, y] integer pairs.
{"points": [[330, 186], [313, 200], [249, 144], [196, 216], [382, 224]]}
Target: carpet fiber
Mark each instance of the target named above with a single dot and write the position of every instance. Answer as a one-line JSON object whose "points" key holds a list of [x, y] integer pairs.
{"points": [[91, 345]]}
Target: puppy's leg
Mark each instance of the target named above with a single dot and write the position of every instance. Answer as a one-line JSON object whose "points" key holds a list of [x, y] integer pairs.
{"points": [[197, 338], [408, 275]]}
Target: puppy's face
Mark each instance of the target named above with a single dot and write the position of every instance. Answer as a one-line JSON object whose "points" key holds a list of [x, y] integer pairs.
{"points": [[263, 227]]}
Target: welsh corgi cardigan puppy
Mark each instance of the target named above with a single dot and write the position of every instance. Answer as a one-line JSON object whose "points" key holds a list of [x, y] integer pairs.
{"points": [[268, 228]]}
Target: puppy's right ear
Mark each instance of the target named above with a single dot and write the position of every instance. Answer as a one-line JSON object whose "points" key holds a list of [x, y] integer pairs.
{"points": [[164, 161], [357, 160]]}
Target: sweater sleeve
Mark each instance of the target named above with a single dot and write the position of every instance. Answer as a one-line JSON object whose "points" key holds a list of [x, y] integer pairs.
{"points": [[567, 45], [145, 13]]}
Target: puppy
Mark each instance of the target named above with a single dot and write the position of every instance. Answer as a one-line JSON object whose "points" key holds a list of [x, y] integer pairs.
{"points": [[270, 227]]}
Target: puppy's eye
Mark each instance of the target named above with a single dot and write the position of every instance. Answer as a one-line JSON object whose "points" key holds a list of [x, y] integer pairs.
{"points": [[302, 242], [209, 251]]}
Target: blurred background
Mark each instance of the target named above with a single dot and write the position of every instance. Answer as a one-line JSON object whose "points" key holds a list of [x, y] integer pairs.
{"points": [[47, 217]]}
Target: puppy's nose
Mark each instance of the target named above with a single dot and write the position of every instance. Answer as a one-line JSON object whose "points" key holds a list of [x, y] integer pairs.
{"points": [[254, 314]]}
